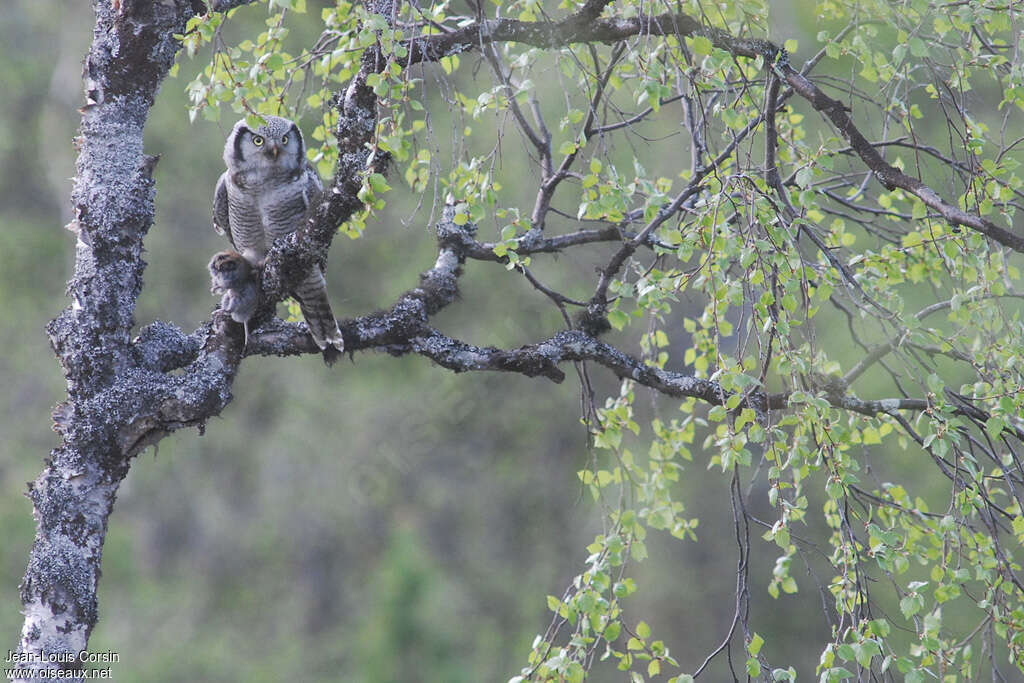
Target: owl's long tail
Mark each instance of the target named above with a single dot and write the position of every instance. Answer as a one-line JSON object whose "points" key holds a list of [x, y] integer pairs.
{"points": [[316, 309]]}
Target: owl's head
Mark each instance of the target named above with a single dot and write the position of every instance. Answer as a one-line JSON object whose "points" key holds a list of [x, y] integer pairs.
{"points": [[275, 146], [228, 270]]}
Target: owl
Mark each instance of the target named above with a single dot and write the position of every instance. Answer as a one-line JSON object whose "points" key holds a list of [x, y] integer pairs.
{"points": [[268, 191], [233, 276]]}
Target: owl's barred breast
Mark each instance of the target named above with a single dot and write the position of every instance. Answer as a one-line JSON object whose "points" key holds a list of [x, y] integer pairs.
{"points": [[246, 224], [267, 193], [284, 209], [258, 218]]}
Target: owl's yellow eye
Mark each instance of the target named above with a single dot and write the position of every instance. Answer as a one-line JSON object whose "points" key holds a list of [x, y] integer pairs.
{"points": [[257, 140], [284, 140]]}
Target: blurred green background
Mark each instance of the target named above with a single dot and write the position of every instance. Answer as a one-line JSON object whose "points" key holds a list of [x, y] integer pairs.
{"points": [[382, 520]]}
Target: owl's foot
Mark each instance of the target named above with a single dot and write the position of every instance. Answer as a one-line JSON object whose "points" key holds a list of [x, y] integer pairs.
{"points": [[325, 339], [336, 340]]}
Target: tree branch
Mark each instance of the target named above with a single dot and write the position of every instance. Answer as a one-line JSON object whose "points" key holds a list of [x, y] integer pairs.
{"points": [[225, 5], [403, 329], [890, 176], [582, 28]]}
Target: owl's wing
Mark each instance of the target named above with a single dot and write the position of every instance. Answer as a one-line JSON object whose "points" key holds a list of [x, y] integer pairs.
{"points": [[314, 192], [221, 223], [314, 187]]}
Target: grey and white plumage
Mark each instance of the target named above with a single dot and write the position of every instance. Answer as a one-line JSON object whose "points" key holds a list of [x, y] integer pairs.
{"points": [[234, 277], [267, 192]]}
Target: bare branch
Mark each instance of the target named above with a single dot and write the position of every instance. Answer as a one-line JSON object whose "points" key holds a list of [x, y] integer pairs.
{"points": [[225, 5], [890, 176], [581, 29], [578, 28]]}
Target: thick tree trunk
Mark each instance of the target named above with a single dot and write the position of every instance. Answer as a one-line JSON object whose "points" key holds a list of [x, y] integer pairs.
{"points": [[125, 394], [72, 504], [133, 48]]}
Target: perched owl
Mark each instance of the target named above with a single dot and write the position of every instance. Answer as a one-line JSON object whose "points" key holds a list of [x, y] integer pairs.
{"points": [[268, 192], [233, 276]]}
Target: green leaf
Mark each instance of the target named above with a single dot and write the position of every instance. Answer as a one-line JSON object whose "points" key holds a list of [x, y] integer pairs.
{"points": [[274, 62], [918, 47], [869, 435], [914, 676], [701, 45], [865, 651], [643, 630], [911, 605], [994, 427], [753, 667], [804, 177], [781, 537], [450, 64], [1018, 525], [618, 319], [379, 183], [568, 147]]}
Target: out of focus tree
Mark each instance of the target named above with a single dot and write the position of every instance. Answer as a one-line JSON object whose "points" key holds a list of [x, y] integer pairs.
{"points": [[805, 256]]}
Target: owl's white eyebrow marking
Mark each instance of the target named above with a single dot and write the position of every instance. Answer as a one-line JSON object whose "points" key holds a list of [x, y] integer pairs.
{"points": [[238, 141]]}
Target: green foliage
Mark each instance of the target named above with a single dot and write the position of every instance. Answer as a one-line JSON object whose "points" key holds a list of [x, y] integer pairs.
{"points": [[920, 573], [767, 319], [261, 75]]}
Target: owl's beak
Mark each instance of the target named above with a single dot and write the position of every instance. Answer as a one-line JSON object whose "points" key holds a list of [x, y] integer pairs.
{"points": [[274, 150]]}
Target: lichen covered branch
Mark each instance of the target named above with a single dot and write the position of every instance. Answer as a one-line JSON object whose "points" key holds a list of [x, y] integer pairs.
{"points": [[132, 50]]}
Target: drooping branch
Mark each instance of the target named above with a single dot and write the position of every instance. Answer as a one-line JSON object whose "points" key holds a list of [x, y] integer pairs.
{"points": [[597, 308], [880, 351], [887, 174], [584, 28]]}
